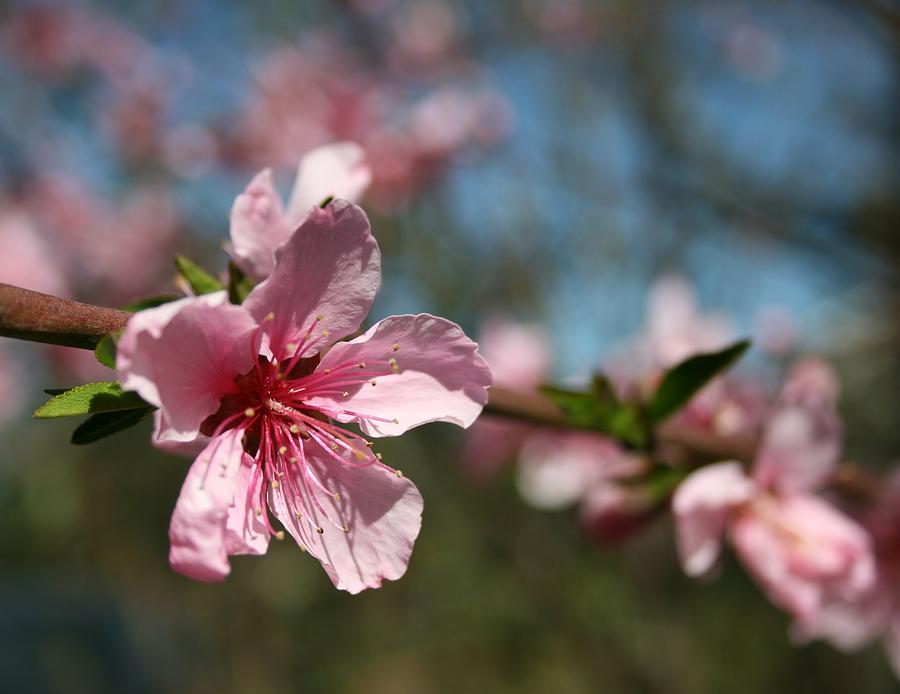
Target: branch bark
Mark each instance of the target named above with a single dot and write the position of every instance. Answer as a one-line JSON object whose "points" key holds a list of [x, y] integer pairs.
{"points": [[30, 315]]}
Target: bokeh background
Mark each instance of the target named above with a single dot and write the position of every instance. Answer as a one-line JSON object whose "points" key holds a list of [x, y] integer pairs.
{"points": [[540, 160]]}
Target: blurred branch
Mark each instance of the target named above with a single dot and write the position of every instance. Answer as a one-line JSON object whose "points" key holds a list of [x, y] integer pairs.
{"points": [[30, 315], [699, 447]]}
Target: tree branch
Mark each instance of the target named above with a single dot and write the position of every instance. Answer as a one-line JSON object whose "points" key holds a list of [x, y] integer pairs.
{"points": [[29, 315]]}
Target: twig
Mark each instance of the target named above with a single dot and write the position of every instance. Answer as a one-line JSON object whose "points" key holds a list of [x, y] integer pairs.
{"points": [[30, 315]]}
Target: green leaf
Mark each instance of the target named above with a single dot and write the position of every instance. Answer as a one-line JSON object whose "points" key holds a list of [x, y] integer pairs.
{"points": [[326, 202], [150, 302], [105, 351], [102, 425], [599, 409], [200, 280], [106, 396], [239, 285], [684, 380], [55, 391]]}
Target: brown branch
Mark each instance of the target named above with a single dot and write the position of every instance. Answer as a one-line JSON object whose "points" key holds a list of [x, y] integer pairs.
{"points": [[698, 447], [29, 315]]}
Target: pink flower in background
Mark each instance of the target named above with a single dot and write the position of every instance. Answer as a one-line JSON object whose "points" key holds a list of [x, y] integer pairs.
{"points": [[519, 357], [259, 221], [558, 470], [851, 622], [265, 381], [801, 549], [27, 259]]}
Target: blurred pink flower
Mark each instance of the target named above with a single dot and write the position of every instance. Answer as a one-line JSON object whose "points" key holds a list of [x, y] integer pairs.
{"points": [[27, 259], [265, 380], [800, 548], [851, 622], [259, 221], [519, 357]]}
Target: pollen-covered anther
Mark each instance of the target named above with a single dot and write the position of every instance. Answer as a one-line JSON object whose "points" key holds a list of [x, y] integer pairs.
{"points": [[334, 446], [270, 316], [345, 528], [291, 347], [362, 365], [337, 496], [320, 530], [395, 367], [292, 460], [379, 456], [345, 394], [374, 383], [282, 450], [275, 484], [320, 317], [395, 420], [399, 473], [279, 535], [326, 333], [360, 455], [257, 512], [395, 346], [249, 412]]}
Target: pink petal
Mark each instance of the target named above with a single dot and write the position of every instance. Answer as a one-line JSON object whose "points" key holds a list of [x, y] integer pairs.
{"points": [[197, 533], [382, 511], [183, 356], [245, 532], [702, 505], [763, 551], [802, 550], [518, 354], [802, 441], [258, 227], [800, 448], [557, 470], [441, 376], [339, 170], [324, 281]]}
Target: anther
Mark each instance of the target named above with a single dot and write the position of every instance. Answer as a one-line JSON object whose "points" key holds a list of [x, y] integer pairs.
{"points": [[395, 420], [373, 383], [290, 347], [346, 394], [362, 364], [292, 460], [399, 473], [271, 316], [249, 412], [275, 484], [279, 535], [346, 529], [258, 512], [359, 455], [379, 456], [320, 317], [395, 346], [320, 530], [326, 333], [282, 450], [395, 367]]}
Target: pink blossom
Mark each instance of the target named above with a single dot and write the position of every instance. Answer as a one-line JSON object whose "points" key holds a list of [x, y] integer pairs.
{"points": [[519, 357], [799, 548], [259, 221], [266, 382], [557, 470], [851, 622]]}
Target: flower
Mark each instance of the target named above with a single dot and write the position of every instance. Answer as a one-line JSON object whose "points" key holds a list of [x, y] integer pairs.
{"points": [[851, 622], [259, 221], [519, 357], [800, 548], [266, 383]]}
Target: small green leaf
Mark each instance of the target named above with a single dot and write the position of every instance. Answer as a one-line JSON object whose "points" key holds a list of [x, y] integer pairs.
{"points": [[684, 380], [102, 425], [326, 202], [106, 396], [200, 280], [150, 302], [239, 285], [105, 351], [581, 409]]}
